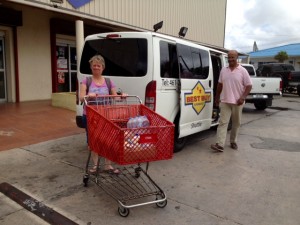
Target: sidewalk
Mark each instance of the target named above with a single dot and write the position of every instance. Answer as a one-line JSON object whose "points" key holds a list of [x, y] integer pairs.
{"points": [[258, 184], [34, 122]]}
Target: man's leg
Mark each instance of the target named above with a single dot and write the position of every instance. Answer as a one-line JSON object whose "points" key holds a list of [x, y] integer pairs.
{"points": [[223, 123], [236, 122]]}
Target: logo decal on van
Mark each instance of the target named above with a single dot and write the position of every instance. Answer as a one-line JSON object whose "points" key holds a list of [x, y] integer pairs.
{"points": [[197, 98]]}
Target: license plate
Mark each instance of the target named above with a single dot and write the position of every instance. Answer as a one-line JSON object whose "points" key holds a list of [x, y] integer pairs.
{"points": [[258, 96]]}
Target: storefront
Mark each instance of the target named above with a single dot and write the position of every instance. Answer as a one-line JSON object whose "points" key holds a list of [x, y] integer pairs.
{"points": [[38, 38], [37, 62], [64, 67], [10, 19]]}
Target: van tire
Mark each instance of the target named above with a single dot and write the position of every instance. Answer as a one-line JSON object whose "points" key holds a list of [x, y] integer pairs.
{"points": [[298, 89], [179, 143]]}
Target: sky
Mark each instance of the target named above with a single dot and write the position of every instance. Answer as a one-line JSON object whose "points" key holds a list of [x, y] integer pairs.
{"points": [[270, 23]]}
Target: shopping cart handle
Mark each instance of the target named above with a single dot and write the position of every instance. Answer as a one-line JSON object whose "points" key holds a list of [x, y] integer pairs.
{"points": [[123, 96]]}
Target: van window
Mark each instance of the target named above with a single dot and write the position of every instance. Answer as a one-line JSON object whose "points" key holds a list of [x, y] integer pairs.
{"points": [[123, 56], [193, 62], [168, 60]]}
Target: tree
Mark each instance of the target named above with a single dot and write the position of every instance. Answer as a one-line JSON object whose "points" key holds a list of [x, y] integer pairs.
{"points": [[281, 56]]}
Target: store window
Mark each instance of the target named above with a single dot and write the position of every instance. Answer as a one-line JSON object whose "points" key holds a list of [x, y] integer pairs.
{"points": [[66, 67]]}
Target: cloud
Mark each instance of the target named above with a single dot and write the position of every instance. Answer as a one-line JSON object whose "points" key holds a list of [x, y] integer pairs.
{"points": [[270, 23]]}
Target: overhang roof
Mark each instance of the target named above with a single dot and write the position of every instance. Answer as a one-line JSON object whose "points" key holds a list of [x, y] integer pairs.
{"points": [[291, 49]]}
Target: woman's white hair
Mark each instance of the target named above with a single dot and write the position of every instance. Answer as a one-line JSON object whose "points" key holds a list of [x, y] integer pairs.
{"points": [[97, 58]]}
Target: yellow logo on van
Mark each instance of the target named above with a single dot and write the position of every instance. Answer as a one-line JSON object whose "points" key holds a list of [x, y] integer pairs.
{"points": [[197, 98]]}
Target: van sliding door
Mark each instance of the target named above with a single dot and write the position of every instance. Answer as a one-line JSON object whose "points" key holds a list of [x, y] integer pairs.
{"points": [[196, 97]]}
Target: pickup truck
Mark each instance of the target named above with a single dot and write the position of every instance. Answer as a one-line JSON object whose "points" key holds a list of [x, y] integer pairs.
{"points": [[283, 70], [263, 89], [294, 82]]}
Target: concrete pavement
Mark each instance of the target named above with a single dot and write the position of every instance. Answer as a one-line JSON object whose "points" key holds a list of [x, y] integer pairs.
{"points": [[258, 184]]}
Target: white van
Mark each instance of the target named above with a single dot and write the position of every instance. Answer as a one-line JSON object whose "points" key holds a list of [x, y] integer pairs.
{"points": [[174, 77]]}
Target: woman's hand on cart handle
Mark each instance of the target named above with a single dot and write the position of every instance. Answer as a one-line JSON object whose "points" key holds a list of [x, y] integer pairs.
{"points": [[124, 95], [88, 97], [92, 95]]}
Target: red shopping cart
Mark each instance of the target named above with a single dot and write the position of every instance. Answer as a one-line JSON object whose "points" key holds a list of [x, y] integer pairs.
{"points": [[130, 147]]}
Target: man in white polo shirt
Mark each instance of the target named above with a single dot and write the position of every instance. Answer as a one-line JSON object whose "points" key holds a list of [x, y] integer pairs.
{"points": [[233, 87]]}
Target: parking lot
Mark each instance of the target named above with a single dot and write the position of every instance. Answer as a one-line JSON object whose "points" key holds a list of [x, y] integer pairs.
{"points": [[258, 184]]}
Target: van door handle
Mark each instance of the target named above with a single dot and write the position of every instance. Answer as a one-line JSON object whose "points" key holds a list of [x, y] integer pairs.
{"points": [[209, 84]]}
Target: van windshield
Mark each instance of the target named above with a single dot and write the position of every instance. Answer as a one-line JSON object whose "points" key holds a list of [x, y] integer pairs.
{"points": [[123, 56]]}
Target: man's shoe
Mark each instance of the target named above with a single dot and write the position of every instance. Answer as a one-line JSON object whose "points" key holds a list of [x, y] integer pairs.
{"points": [[217, 147], [234, 146]]}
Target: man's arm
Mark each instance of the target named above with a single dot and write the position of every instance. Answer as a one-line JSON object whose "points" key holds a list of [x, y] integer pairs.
{"points": [[244, 96], [82, 92]]}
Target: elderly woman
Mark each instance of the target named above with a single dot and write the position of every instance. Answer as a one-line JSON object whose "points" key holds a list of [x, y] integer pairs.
{"points": [[97, 86]]}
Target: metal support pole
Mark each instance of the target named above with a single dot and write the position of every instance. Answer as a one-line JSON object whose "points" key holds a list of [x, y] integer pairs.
{"points": [[79, 40]]}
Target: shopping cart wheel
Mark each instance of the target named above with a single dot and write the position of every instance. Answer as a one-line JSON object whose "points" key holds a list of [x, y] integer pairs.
{"points": [[85, 180], [123, 211], [137, 172], [162, 204]]}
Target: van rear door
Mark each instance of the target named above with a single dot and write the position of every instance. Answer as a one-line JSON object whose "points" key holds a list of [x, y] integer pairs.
{"points": [[196, 95], [128, 60]]}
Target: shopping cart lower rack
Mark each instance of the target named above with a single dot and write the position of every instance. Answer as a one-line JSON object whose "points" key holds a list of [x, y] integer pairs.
{"points": [[131, 149]]}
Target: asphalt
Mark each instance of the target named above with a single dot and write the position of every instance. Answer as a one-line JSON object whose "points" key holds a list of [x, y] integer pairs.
{"points": [[256, 185]]}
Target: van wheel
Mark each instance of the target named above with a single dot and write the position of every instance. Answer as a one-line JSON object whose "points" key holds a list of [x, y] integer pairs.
{"points": [[179, 143], [298, 89]]}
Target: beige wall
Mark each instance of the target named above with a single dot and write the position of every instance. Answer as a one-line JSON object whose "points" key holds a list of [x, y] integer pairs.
{"points": [[204, 18], [34, 55]]}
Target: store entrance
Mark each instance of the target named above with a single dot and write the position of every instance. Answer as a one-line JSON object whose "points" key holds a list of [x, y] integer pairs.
{"points": [[66, 68], [3, 97]]}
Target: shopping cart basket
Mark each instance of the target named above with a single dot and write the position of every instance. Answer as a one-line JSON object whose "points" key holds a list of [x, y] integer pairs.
{"points": [[110, 137]]}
